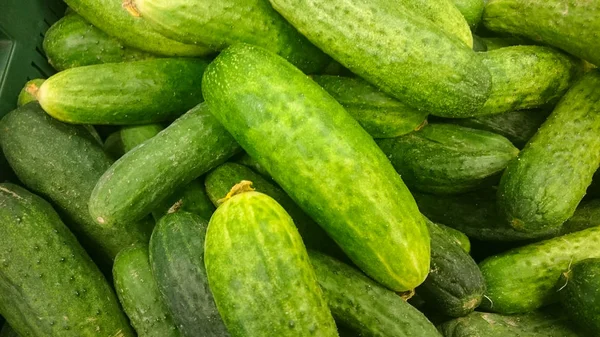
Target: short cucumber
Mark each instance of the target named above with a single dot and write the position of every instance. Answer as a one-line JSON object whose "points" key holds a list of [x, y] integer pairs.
{"points": [[259, 272], [131, 93], [580, 295], [472, 10], [28, 93]]}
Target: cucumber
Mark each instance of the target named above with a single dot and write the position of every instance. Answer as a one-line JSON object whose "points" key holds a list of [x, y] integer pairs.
{"points": [[259, 272], [148, 174], [457, 237], [472, 10], [177, 259], [111, 17], [250, 162], [63, 162], [569, 25], [48, 284], [226, 22], [586, 215], [385, 43], [542, 188], [379, 114], [124, 93], [580, 295], [29, 92], [190, 198], [124, 140], [7, 331], [523, 279], [363, 305], [74, 42], [449, 159], [321, 156], [526, 77]]}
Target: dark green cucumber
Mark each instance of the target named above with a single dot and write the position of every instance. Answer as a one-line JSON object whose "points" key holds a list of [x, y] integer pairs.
{"points": [[364, 306], [259, 272], [74, 42], [524, 279], [586, 215], [321, 156], [580, 295], [567, 24], [493, 43], [113, 18], [457, 237], [526, 77], [124, 140], [124, 93], [472, 10], [226, 22], [541, 189], [379, 114], [190, 198], [385, 43], [449, 159], [63, 163], [7, 331], [29, 92], [144, 177], [177, 259], [48, 284]]}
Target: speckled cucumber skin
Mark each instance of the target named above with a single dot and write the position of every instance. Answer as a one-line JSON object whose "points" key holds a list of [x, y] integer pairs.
{"points": [[526, 77], [271, 289], [580, 294], [571, 25], [321, 156], [148, 174], [472, 10], [49, 287], [379, 114], [63, 162], [451, 82], [7, 331], [365, 306], [542, 188], [73, 42], [28, 92], [449, 159], [177, 259], [524, 279], [111, 17], [138, 92], [219, 24]]}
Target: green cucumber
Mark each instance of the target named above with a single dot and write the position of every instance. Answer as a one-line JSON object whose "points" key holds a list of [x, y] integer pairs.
{"points": [[384, 43], [124, 93], [190, 198], [379, 114], [226, 22], [472, 10], [63, 162], [364, 306], [177, 259], [523, 279], [7, 331], [586, 215], [111, 17], [139, 295], [493, 43], [457, 237], [124, 140], [449, 159], [580, 295], [526, 77], [542, 188], [321, 156], [259, 271], [48, 284], [74, 42], [566, 24], [250, 162], [144, 177], [29, 92]]}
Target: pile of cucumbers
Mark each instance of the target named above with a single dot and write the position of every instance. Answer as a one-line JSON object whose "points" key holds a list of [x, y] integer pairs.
{"points": [[297, 168]]}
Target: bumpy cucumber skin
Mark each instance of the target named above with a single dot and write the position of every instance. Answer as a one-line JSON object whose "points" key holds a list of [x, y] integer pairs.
{"points": [[451, 82], [190, 198], [138, 92], [28, 92], [63, 163], [271, 289], [73, 42], [526, 77], [7, 331], [321, 156], [49, 286], [581, 296], [524, 279], [541, 189], [139, 295], [111, 17], [379, 114], [177, 259], [457, 237], [148, 174], [365, 306], [472, 10], [449, 159], [219, 24], [567, 24]]}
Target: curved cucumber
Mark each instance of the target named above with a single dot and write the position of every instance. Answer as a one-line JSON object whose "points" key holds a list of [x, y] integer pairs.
{"points": [[321, 156], [259, 272], [29, 92], [385, 43], [581, 296], [472, 10]]}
